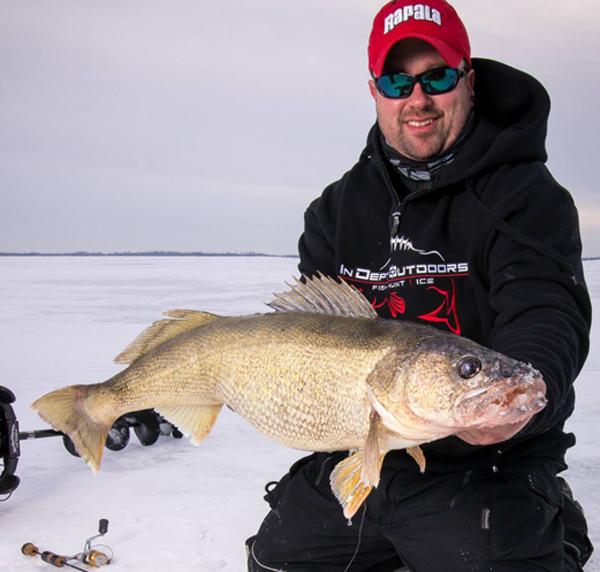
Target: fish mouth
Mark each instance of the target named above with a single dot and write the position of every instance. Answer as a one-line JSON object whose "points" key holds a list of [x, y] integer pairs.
{"points": [[507, 401]]}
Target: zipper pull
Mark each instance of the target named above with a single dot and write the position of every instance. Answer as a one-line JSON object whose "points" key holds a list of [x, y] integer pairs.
{"points": [[396, 224]]}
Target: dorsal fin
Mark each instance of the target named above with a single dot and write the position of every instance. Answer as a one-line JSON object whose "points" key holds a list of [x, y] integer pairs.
{"points": [[323, 295], [163, 330]]}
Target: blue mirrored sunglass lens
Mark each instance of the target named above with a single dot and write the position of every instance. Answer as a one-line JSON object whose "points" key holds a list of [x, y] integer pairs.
{"points": [[440, 80], [395, 85]]}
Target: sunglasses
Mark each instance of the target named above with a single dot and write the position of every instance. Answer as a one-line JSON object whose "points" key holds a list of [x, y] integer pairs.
{"points": [[433, 82]]}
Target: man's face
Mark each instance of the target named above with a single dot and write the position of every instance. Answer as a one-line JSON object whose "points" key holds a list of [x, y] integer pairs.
{"points": [[422, 126]]}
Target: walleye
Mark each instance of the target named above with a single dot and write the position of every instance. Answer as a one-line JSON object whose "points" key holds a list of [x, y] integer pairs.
{"points": [[321, 373]]}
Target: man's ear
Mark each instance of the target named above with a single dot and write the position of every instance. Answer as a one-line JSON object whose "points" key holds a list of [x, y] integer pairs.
{"points": [[471, 83], [372, 89]]}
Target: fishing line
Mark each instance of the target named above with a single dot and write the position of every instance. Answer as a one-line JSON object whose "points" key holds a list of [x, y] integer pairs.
{"points": [[360, 529]]}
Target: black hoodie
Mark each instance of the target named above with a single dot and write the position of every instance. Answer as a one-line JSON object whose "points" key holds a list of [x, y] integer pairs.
{"points": [[490, 250]]}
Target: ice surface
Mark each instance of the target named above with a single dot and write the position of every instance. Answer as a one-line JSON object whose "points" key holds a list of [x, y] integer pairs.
{"points": [[171, 506]]}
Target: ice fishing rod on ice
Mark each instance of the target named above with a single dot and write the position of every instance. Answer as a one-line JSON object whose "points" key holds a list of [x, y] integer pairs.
{"points": [[146, 424], [90, 556]]}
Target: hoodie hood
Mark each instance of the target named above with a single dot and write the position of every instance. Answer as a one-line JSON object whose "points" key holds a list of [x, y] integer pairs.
{"points": [[511, 120]]}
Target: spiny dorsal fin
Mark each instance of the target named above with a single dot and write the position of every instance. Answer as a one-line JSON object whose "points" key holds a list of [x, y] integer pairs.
{"points": [[323, 295], [162, 331]]}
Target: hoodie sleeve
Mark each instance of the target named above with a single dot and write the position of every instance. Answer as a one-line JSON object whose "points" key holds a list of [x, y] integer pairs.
{"points": [[538, 293], [317, 243]]}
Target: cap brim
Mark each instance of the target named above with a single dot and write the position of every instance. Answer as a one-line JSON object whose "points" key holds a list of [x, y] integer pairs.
{"points": [[451, 56]]}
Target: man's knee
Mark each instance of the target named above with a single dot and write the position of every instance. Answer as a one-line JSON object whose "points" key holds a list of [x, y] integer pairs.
{"points": [[578, 547], [253, 564], [249, 559]]}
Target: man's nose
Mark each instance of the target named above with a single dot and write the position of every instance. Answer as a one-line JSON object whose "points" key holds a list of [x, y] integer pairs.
{"points": [[418, 98]]}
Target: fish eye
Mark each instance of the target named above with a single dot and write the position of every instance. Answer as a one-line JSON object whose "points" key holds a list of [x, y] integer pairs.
{"points": [[469, 367]]}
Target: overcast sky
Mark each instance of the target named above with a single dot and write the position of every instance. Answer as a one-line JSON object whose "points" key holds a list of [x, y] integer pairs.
{"points": [[197, 125]]}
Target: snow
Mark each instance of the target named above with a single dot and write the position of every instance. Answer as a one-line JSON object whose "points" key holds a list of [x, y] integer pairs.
{"points": [[170, 506]]}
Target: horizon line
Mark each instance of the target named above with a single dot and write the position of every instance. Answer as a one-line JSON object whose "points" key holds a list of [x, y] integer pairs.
{"points": [[147, 253], [171, 253]]}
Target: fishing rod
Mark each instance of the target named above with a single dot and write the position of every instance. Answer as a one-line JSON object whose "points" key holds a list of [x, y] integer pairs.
{"points": [[90, 556], [146, 424]]}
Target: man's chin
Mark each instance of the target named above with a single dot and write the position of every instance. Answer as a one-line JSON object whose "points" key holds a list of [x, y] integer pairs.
{"points": [[419, 151]]}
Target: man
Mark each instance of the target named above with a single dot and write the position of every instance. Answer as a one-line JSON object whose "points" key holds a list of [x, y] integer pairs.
{"points": [[450, 218]]}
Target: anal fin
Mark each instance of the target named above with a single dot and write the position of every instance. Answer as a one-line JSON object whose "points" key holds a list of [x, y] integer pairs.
{"points": [[194, 421]]}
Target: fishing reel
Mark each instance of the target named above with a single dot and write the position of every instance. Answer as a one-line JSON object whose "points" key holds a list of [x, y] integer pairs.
{"points": [[90, 556]]}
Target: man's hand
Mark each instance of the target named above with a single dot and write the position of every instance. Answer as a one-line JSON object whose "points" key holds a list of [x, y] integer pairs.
{"points": [[491, 435]]}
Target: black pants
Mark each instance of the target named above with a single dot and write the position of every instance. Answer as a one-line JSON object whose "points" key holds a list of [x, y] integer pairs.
{"points": [[453, 522]]}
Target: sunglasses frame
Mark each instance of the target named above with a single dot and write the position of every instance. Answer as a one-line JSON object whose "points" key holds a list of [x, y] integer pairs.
{"points": [[460, 73]]}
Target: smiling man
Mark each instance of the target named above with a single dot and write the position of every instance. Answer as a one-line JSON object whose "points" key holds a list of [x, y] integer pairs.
{"points": [[419, 126], [450, 218]]}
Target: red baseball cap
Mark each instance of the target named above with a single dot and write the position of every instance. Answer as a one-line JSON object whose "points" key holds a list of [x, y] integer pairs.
{"points": [[434, 21]]}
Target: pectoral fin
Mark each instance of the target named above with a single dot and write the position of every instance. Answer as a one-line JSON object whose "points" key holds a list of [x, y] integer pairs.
{"points": [[417, 454], [353, 479], [347, 485], [372, 456], [194, 421]]}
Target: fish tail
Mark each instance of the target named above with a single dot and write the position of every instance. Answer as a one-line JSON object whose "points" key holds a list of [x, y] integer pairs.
{"points": [[68, 410]]}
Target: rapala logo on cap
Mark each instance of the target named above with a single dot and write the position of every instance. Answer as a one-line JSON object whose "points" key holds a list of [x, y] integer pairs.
{"points": [[414, 11]]}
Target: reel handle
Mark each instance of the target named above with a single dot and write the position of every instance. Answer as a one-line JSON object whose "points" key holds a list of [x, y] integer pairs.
{"points": [[30, 549]]}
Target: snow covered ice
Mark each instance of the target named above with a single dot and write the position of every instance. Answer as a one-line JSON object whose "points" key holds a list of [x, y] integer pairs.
{"points": [[170, 506]]}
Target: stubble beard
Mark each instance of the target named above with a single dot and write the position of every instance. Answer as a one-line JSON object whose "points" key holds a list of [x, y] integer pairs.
{"points": [[418, 147]]}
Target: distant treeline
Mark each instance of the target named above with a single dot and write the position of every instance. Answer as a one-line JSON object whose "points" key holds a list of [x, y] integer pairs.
{"points": [[170, 253], [148, 253]]}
